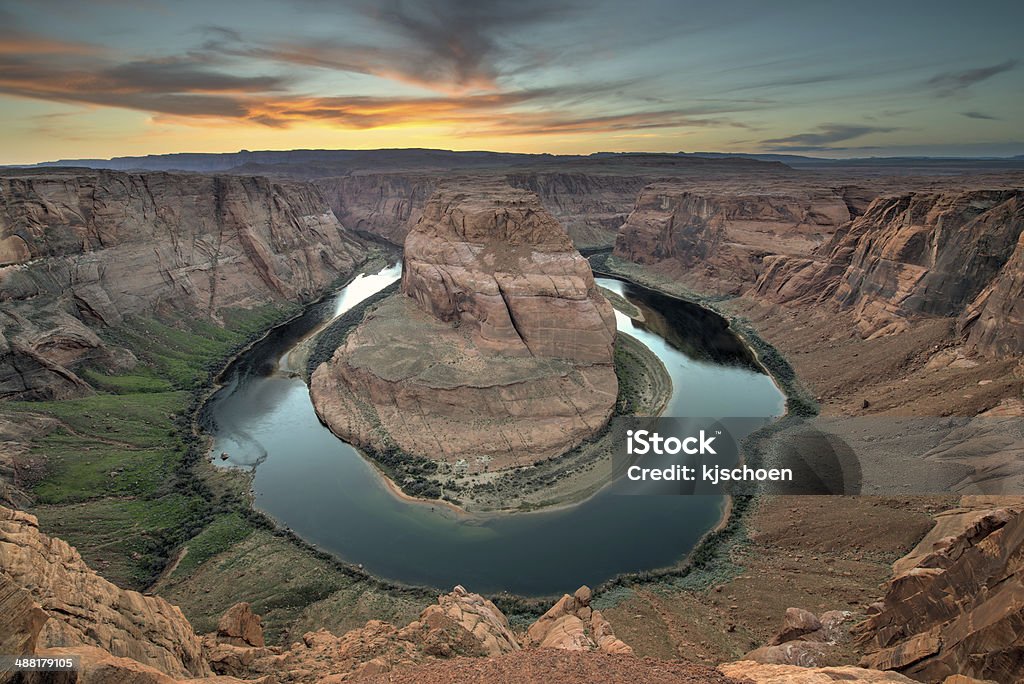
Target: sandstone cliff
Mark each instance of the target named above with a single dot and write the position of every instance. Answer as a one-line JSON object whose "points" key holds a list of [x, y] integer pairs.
{"points": [[385, 205], [956, 603], [590, 206], [500, 348], [80, 250], [715, 237], [83, 609], [949, 254]]}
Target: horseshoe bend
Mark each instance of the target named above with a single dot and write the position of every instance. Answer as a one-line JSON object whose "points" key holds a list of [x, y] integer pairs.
{"points": [[419, 342], [497, 350]]}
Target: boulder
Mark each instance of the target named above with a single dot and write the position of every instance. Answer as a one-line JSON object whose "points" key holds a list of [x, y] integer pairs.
{"points": [[797, 623], [571, 624], [240, 626]]}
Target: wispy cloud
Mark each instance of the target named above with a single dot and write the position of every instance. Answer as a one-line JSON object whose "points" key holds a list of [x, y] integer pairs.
{"points": [[450, 47], [980, 115], [823, 138], [445, 45], [952, 82]]}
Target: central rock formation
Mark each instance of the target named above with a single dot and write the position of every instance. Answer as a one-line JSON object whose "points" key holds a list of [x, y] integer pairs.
{"points": [[498, 350]]}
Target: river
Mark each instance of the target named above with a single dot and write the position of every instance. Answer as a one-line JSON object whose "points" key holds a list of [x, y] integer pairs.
{"points": [[327, 493]]}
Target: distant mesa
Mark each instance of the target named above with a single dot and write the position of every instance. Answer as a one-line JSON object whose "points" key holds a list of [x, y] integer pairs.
{"points": [[498, 348]]}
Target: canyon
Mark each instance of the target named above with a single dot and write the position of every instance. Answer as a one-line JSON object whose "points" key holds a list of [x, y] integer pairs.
{"points": [[885, 294], [85, 250]]}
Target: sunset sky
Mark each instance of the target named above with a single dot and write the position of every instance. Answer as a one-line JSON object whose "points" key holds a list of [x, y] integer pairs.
{"points": [[103, 78]]}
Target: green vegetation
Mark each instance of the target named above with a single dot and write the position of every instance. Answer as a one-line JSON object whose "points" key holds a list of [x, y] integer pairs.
{"points": [[185, 350], [115, 474], [219, 536]]}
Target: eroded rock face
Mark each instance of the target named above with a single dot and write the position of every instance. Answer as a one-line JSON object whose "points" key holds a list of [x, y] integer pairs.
{"points": [[766, 673], [21, 619], [949, 254], [383, 204], [590, 207], [572, 625], [956, 603], [81, 250], [492, 260], [995, 319], [720, 236], [500, 346], [85, 609]]}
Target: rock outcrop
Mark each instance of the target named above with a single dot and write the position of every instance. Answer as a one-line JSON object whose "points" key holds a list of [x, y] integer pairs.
{"points": [[717, 237], [571, 624], [950, 254], [956, 603], [765, 673], [82, 250], [239, 626], [804, 639], [83, 609], [21, 620], [499, 347]]}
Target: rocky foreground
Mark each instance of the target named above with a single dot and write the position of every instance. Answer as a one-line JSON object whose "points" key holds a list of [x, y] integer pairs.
{"points": [[497, 352], [55, 605]]}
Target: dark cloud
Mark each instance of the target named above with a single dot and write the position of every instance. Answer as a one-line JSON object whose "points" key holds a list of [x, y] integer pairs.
{"points": [[951, 82], [168, 87], [980, 115], [446, 45], [173, 75], [823, 138]]}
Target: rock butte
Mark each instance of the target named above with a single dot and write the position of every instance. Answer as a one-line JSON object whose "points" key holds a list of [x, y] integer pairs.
{"points": [[499, 346]]}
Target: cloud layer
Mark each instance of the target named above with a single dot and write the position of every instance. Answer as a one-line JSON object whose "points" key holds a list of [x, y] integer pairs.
{"points": [[797, 77]]}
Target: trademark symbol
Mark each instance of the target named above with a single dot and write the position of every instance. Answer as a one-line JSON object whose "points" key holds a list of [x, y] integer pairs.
{"points": [[718, 432]]}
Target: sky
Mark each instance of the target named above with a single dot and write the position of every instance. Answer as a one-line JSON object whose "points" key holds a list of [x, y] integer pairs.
{"points": [[102, 78]]}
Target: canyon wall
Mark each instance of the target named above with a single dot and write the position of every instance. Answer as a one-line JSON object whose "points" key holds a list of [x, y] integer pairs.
{"points": [[498, 350], [949, 254], [716, 237], [384, 205], [81, 250], [590, 207]]}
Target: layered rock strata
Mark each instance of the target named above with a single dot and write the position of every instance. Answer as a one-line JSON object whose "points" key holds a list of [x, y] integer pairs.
{"points": [[718, 236], [955, 604], [81, 250], [80, 608], [590, 206], [952, 254], [498, 349]]}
